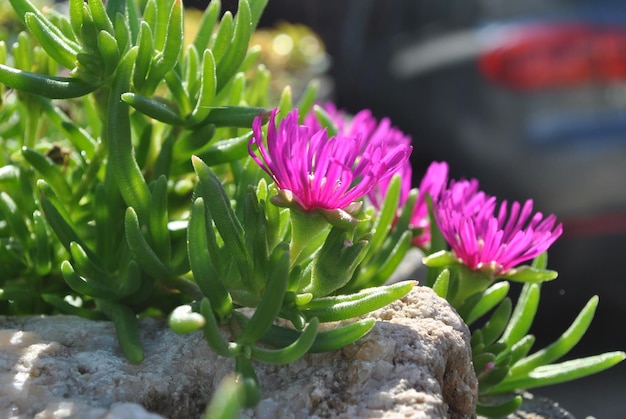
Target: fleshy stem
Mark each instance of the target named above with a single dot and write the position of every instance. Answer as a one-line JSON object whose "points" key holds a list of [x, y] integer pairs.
{"points": [[91, 172], [33, 123], [469, 283], [305, 226]]}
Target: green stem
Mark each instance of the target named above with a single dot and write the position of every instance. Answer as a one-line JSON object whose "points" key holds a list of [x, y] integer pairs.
{"points": [[304, 227], [34, 116], [469, 283], [90, 174]]}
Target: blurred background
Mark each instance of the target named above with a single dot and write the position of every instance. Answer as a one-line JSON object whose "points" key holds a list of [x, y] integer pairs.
{"points": [[529, 97]]}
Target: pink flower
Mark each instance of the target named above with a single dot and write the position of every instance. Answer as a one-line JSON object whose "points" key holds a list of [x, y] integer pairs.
{"points": [[364, 124], [316, 171], [433, 183], [485, 240]]}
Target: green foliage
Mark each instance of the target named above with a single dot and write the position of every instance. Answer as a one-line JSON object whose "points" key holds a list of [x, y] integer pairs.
{"points": [[126, 189], [501, 346]]}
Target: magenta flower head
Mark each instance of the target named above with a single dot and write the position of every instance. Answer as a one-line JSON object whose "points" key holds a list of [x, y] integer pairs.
{"points": [[316, 172], [432, 184], [365, 125], [487, 241]]}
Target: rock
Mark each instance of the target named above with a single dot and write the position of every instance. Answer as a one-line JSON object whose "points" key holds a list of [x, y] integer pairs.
{"points": [[416, 362]]}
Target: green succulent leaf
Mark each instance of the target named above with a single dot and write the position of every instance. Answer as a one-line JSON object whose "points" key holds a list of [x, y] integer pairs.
{"points": [[66, 308], [133, 286], [387, 213], [218, 203], [559, 373], [386, 262], [109, 51], [478, 305], [229, 395], [168, 56], [225, 151], [530, 274], [145, 256], [150, 17], [277, 276], [335, 308], [143, 61], [236, 51], [498, 410], [158, 109], [492, 377], [11, 215], [562, 345], [285, 104], [291, 352], [307, 100], [42, 254], [127, 329], [50, 172], [251, 388], [79, 136], [158, 220], [122, 162], [55, 45], [441, 283], [122, 32], [61, 224], [440, 259], [335, 263], [23, 7], [206, 26], [52, 87], [520, 349], [221, 40], [256, 9], [541, 261], [483, 360], [493, 329], [326, 340], [208, 276], [84, 286], [88, 266], [76, 15], [234, 116], [208, 89], [212, 333], [100, 16], [523, 315]]}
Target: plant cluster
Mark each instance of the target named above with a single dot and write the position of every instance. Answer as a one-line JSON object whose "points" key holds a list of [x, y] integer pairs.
{"points": [[141, 175]]}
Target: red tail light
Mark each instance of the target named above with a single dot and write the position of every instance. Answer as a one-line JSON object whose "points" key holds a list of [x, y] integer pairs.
{"points": [[537, 56]]}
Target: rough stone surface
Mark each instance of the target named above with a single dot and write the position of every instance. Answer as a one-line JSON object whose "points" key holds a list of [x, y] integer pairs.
{"points": [[414, 363]]}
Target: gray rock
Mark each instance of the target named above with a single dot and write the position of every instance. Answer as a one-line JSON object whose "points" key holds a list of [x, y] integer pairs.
{"points": [[416, 362]]}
